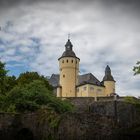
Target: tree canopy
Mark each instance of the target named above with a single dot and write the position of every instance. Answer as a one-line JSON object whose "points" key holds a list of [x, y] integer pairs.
{"points": [[4, 79], [31, 97], [28, 77], [29, 92], [136, 68], [3, 73]]}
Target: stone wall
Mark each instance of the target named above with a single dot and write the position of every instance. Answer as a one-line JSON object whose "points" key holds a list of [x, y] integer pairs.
{"points": [[106, 120], [82, 104], [125, 114]]}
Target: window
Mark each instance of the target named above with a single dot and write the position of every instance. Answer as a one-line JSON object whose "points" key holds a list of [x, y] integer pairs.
{"points": [[63, 75], [71, 61], [91, 88], [63, 61], [85, 88], [67, 61], [76, 61]]}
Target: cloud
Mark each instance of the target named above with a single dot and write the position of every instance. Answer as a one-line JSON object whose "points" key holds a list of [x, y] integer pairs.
{"points": [[34, 34]]}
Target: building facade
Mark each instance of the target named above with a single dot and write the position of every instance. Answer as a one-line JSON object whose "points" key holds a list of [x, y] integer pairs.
{"points": [[70, 84]]}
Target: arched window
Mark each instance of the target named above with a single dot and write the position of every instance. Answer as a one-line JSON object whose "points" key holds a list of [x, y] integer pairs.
{"points": [[63, 75], [63, 61], [67, 61], [71, 61]]}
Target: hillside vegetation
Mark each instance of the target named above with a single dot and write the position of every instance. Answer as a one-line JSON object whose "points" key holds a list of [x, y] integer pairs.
{"points": [[28, 92]]}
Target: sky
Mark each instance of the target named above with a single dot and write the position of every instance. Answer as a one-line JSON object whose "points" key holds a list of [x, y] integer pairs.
{"points": [[103, 32]]}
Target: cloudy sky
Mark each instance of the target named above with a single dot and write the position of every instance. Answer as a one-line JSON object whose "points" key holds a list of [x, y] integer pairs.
{"points": [[34, 32]]}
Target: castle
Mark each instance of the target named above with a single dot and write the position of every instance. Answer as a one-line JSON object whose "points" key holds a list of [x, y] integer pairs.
{"points": [[70, 84]]}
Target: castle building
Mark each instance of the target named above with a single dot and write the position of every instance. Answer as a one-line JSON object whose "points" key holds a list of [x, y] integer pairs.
{"points": [[70, 84]]}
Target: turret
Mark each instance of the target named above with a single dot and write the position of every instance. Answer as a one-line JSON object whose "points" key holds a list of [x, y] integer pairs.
{"points": [[69, 68], [109, 82]]}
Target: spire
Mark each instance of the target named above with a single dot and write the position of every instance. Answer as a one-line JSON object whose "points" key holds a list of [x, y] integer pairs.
{"points": [[68, 50], [107, 70], [108, 76]]}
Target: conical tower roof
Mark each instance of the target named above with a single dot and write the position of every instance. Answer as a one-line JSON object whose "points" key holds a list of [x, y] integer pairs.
{"points": [[68, 50], [108, 76]]}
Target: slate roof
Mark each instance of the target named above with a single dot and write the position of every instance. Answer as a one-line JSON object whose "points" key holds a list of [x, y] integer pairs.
{"points": [[54, 80], [68, 53], [88, 78], [68, 50], [108, 76]]}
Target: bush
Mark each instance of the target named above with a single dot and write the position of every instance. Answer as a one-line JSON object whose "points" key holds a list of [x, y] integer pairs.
{"points": [[134, 101], [31, 97]]}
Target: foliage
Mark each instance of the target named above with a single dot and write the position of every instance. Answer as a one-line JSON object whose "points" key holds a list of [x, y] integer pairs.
{"points": [[6, 82], [136, 68], [49, 115], [28, 77], [134, 101], [3, 74], [31, 97], [10, 82], [28, 92]]}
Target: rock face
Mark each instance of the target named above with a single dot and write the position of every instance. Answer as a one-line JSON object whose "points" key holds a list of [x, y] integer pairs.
{"points": [[98, 121]]}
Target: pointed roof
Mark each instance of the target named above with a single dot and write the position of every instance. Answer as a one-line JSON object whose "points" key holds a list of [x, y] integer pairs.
{"points": [[54, 80], [68, 44], [108, 76], [68, 50]]}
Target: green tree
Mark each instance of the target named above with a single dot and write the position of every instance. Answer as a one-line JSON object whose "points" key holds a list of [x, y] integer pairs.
{"points": [[10, 82], [28, 77], [3, 74], [6, 82], [28, 92], [136, 68], [31, 97]]}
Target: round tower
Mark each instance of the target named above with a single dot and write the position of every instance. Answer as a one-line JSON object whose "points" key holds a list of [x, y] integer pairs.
{"points": [[109, 82], [69, 68]]}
